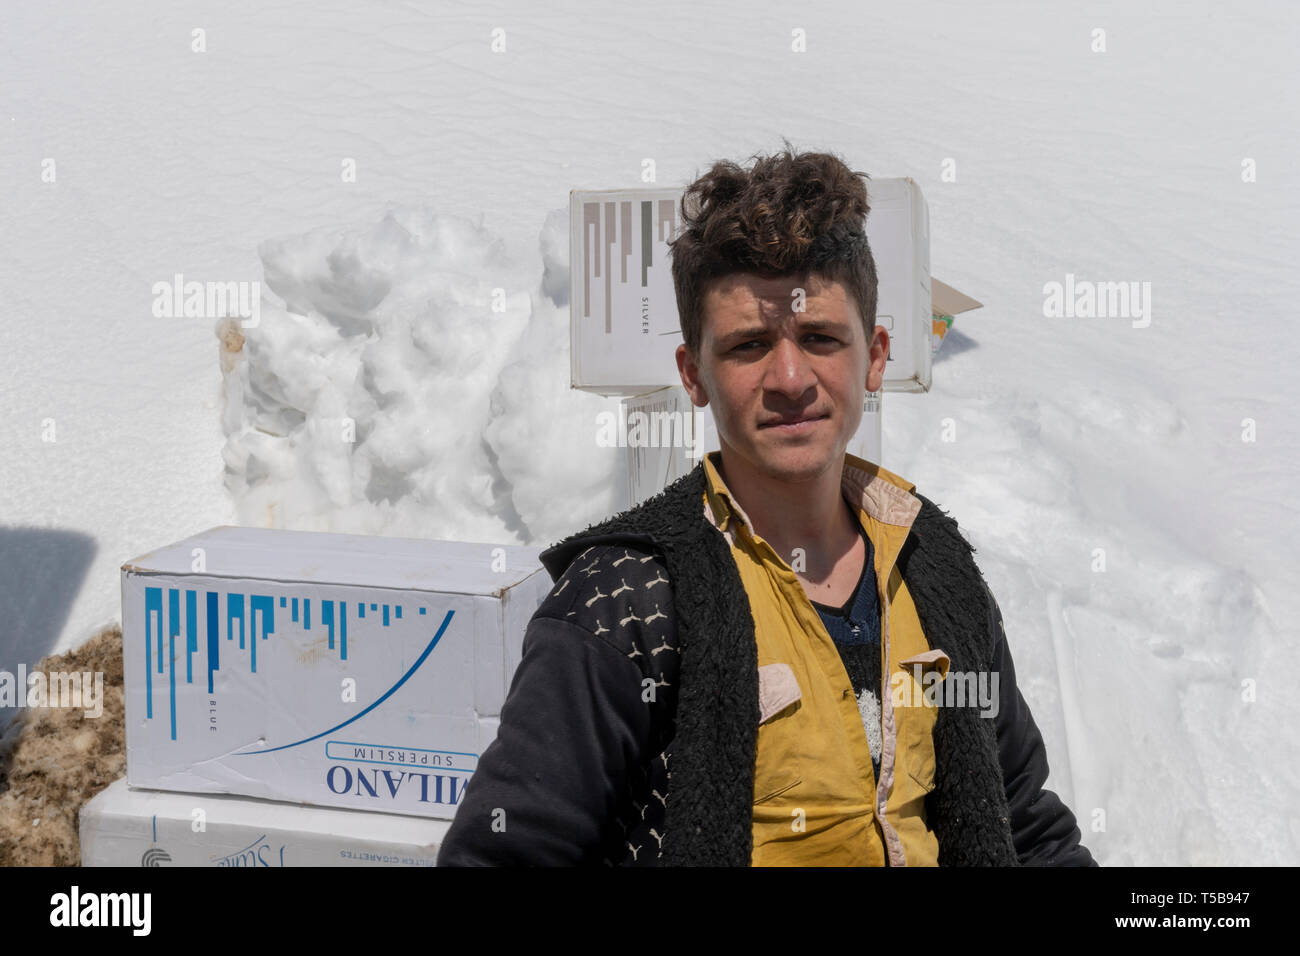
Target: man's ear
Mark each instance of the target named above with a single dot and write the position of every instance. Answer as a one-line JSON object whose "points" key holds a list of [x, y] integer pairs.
{"points": [[877, 356], [689, 370]]}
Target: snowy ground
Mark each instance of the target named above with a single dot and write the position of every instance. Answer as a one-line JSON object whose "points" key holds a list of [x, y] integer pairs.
{"points": [[1070, 435]]}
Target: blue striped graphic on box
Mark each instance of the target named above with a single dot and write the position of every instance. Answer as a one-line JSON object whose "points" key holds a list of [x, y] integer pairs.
{"points": [[255, 616]]}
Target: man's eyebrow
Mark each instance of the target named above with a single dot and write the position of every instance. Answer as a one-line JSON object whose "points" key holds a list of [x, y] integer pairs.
{"points": [[806, 325]]}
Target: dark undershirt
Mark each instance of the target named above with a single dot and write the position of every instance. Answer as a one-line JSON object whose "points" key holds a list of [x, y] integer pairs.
{"points": [[866, 565], [855, 629]]}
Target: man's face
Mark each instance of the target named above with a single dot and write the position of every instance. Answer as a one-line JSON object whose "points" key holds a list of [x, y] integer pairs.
{"points": [[786, 386]]}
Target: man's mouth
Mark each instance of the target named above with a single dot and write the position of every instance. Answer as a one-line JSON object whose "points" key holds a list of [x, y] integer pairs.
{"points": [[794, 423]]}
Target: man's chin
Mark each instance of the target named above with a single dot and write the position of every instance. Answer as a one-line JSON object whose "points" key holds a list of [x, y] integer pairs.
{"points": [[791, 461]]}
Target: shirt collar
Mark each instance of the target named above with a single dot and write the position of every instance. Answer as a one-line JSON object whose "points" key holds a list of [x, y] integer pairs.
{"points": [[877, 492]]}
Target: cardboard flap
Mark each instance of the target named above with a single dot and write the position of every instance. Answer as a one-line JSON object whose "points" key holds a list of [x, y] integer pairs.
{"points": [[945, 300]]}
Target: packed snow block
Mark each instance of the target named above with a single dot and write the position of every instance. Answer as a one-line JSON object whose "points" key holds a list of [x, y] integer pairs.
{"points": [[123, 826], [667, 435], [624, 327], [327, 669]]}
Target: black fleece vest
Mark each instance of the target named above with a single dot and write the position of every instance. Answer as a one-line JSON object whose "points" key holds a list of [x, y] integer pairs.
{"points": [[709, 812]]}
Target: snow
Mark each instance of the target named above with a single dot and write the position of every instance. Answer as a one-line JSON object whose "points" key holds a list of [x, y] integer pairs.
{"points": [[423, 297], [350, 408]]}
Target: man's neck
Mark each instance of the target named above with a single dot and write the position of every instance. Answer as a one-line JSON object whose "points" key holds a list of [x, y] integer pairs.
{"points": [[811, 515]]}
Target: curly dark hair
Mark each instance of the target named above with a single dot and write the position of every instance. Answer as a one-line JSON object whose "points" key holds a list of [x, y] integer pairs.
{"points": [[789, 214]]}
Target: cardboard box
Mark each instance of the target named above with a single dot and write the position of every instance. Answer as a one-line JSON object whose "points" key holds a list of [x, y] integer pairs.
{"points": [[667, 435], [122, 826], [624, 328], [898, 229], [335, 670]]}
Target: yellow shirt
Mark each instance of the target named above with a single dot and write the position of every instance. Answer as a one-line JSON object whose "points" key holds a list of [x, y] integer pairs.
{"points": [[816, 799]]}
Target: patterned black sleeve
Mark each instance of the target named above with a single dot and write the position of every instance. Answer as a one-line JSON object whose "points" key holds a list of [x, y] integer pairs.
{"points": [[622, 596], [582, 722]]}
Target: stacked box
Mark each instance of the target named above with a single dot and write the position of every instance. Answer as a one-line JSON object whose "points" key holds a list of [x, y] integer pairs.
{"points": [[624, 328], [324, 669], [123, 826]]}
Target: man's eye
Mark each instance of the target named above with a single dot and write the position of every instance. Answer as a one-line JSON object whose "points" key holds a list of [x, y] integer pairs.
{"points": [[744, 346]]}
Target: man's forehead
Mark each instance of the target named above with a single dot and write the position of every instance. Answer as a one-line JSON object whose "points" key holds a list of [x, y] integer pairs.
{"points": [[742, 286], [747, 295]]}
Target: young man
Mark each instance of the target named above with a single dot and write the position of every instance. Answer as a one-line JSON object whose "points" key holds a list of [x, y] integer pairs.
{"points": [[736, 671]]}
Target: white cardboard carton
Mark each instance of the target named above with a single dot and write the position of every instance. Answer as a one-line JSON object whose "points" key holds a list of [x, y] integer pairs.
{"points": [[624, 327], [329, 669], [122, 826], [667, 436]]}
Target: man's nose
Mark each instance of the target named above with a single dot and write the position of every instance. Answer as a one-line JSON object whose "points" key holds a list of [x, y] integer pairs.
{"points": [[788, 370]]}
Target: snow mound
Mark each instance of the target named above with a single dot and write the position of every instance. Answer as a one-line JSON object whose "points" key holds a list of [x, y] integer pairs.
{"points": [[357, 403]]}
